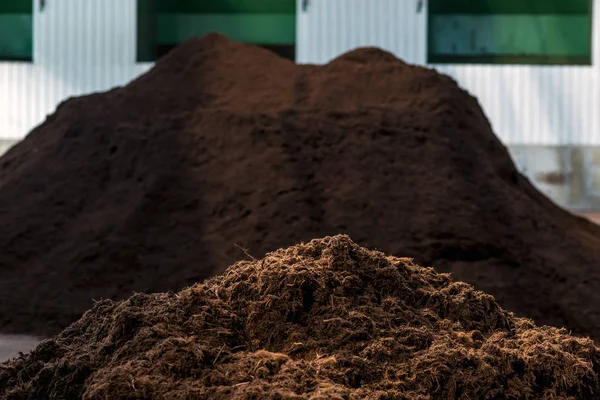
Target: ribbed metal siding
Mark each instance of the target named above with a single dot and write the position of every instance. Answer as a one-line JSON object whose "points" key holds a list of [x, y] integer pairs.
{"points": [[80, 46], [331, 27], [526, 104]]}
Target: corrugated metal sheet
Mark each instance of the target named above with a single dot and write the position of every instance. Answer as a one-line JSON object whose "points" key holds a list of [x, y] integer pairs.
{"points": [[535, 105], [79, 47], [330, 27]]}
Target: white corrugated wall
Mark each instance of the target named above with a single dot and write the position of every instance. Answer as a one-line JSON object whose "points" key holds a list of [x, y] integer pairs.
{"points": [[527, 105], [80, 46], [330, 27]]}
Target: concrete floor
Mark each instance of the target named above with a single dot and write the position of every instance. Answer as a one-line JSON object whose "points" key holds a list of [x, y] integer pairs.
{"points": [[11, 345]]}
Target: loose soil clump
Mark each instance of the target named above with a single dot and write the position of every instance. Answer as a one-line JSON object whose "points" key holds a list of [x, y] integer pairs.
{"points": [[150, 187], [322, 320]]}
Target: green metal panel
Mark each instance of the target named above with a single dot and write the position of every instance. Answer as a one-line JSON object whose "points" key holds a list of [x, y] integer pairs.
{"points": [[510, 6], [510, 32], [506, 34], [146, 30], [162, 23], [16, 37], [16, 6], [247, 28], [227, 6]]}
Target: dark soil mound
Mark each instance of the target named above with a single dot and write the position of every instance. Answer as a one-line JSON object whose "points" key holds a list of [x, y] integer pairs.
{"points": [[149, 187], [325, 320]]}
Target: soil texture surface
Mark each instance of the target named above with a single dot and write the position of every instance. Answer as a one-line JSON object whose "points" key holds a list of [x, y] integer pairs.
{"points": [[322, 320], [157, 185]]}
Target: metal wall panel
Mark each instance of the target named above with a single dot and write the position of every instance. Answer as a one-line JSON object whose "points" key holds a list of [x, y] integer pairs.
{"points": [[79, 47], [330, 27], [527, 105]]}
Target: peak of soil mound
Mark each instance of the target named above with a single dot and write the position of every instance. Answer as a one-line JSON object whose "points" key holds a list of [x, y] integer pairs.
{"points": [[367, 55], [212, 72], [322, 320], [149, 187]]}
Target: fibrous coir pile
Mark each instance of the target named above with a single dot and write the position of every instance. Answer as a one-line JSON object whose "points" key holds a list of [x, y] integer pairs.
{"points": [[323, 320], [149, 187]]}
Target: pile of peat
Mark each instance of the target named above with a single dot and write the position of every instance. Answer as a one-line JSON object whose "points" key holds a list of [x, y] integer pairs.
{"points": [[150, 187], [322, 320]]}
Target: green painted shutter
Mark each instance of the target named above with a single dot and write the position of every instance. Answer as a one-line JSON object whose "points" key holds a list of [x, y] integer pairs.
{"points": [[226, 6], [166, 23], [16, 30], [510, 31]]}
